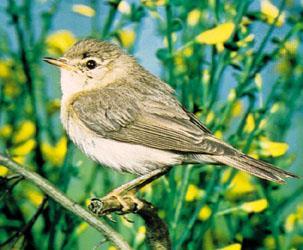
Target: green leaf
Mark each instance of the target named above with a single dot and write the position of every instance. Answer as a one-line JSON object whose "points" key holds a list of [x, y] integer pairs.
{"points": [[163, 54], [176, 25], [137, 13]]}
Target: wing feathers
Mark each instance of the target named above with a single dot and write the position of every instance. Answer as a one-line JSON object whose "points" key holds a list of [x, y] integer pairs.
{"points": [[255, 167], [155, 119]]}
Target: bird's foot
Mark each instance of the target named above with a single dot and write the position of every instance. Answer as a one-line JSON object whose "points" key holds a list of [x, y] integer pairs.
{"points": [[128, 203], [114, 202], [123, 199]]}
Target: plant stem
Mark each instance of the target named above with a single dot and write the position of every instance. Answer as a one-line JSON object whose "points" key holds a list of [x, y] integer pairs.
{"points": [[67, 203], [171, 79]]}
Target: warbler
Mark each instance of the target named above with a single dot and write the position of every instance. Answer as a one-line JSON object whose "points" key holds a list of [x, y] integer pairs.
{"points": [[124, 117]]}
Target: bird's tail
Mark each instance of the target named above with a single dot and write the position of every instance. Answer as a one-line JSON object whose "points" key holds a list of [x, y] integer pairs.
{"points": [[255, 167]]}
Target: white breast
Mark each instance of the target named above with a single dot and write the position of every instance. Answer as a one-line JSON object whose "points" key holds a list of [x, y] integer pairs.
{"points": [[136, 159]]}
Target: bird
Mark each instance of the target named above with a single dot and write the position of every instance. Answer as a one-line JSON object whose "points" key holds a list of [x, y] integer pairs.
{"points": [[124, 117]]}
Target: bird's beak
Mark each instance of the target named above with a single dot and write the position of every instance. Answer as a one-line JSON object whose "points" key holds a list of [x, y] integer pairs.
{"points": [[59, 62]]}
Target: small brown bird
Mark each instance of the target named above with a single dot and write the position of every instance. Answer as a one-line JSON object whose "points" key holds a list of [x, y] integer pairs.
{"points": [[124, 117]]}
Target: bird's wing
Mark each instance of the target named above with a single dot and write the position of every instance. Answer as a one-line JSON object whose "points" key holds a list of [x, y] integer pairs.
{"points": [[154, 119]]}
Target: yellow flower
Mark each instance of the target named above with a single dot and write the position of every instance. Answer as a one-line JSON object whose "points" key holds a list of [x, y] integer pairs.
{"points": [[275, 107], [25, 148], [141, 234], [217, 35], [218, 134], [5, 68], [81, 228], [263, 123], [194, 17], [187, 52], [294, 218], [271, 12], [254, 153], [6, 131], [219, 47], [271, 148], [35, 197], [246, 40], [19, 159], [284, 67], [155, 14], [84, 10], [58, 42], [3, 171], [258, 81], [174, 39], [180, 63], [153, 3], [204, 213], [290, 47], [55, 154], [210, 117], [269, 242], [256, 206], [290, 221], [245, 21], [127, 37], [232, 95], [205, 76], [87, 202], [240, 184], [237, 109], [179, 60], [249, 124], [26, 130], [230, 9], [193, 193], [112, 248], [124, 7], [235, 246]]}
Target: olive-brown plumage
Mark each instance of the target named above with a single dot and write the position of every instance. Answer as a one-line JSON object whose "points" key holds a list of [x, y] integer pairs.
{"points": [[124, 117]]}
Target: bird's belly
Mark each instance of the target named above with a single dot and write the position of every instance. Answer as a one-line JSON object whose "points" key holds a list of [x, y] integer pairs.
{"points": [[132, 158]]}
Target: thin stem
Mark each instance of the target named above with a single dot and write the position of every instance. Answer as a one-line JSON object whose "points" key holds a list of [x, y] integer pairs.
{"points": [[171, 79], [228, 211], [67, 203], [180, 197], [27, 227], [110, 19], [26, 62], [209, 189]]}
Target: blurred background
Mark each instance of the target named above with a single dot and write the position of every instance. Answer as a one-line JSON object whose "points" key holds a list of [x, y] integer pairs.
{"points": [[236, 64]]}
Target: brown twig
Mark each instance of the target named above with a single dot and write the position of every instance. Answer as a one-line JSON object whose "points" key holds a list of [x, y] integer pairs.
{"points": [[156, 230], [64, 201]]}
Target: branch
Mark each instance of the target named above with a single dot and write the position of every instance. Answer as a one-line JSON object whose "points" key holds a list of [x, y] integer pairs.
{"points": [[156, 229], [65, 202]]}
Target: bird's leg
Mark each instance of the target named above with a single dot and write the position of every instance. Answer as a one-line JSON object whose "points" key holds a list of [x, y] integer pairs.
{"points": [[136, 184], [125, 194]]}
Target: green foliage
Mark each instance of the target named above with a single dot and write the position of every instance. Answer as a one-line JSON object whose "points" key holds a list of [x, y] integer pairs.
{"points": [[236, 65]]}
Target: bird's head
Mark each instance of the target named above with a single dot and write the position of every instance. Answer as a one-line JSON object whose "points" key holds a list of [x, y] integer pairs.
{"points": [[90, 64]]}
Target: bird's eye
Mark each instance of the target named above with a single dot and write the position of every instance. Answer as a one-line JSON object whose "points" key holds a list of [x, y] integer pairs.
{"points": [[91, 64]]}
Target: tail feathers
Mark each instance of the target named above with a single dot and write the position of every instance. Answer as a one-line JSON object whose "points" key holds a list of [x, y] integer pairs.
{"points": [[255, 167]]}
